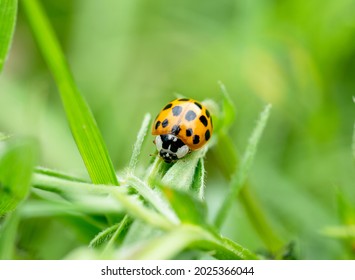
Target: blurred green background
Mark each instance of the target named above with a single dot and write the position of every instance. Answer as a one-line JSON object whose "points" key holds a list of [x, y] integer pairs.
{"points": [[130, 57]]}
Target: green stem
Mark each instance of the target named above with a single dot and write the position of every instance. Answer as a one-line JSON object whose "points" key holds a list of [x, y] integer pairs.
{"points": [[121, 227], [228, 163], [187, 235], [259, 220]]}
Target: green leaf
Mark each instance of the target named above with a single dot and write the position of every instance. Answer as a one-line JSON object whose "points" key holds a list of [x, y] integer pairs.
{"points": [[138, 144], [197, 237], [131, 203], [81, 120], [198, 182], [17, 158], [181, 174], [8, 13], [8, 234], [188, 208], [103, 236], [229, 110], [240, 175]]}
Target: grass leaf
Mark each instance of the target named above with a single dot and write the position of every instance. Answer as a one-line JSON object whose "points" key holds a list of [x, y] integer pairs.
{"points": [[17, 158], [8, 13], [82, 123]]}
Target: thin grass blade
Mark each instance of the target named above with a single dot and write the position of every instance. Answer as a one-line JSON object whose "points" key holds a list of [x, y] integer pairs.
{"points": [[81, 120], [8, 13]]}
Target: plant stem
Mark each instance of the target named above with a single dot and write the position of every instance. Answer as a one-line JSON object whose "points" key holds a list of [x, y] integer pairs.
{"points": [[229, 162], [240, 175]]}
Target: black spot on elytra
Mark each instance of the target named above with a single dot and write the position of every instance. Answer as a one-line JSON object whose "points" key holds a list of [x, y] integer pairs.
{"points": [[177, 110], [198, 104], [207, 113], [203, 120], [157, 124], [190, 115], [167, 106], [207, 135], [165, 123], [188, 132], [196, 139], [183, 99], [176, 129]]}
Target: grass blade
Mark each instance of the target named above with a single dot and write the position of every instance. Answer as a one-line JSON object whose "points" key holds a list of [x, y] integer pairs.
{"points": [[239, 178], [8, 13], [82, 123]]}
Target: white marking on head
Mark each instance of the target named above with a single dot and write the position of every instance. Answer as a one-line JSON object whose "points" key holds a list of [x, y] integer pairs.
{"points": [[158, 143], [182, 151]]}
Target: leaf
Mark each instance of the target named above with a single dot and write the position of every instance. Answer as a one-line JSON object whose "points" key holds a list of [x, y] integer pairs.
{"points": [[138, 144], [198, 181], [8, 13], [188, 208], [81, 120], [197, 237], [8, 236], [229, 110], [17, 158], [181, 174], [240, 175]]}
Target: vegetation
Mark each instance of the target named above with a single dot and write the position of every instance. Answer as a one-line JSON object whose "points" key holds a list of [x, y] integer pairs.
{"points": [[272, 185]]}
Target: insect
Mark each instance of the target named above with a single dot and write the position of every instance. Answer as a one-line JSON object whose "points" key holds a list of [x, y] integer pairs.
{"points": [[182, 126]]}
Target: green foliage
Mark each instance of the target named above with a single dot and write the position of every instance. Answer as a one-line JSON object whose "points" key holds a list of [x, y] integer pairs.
{"points": [[239, 177], [280, 201], [8, 13], [82, 123], [17, 159]]}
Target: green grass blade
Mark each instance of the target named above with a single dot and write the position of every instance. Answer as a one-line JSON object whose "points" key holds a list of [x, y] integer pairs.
{"points": [[8, 13], [82, 123], [239, 178], [17, 159]]}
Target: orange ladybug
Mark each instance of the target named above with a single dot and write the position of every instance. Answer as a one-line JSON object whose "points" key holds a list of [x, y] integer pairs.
{"points": [[182, 126]]}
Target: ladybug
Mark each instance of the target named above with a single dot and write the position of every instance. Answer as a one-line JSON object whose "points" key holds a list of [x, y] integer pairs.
{"points": [[182, 126]]}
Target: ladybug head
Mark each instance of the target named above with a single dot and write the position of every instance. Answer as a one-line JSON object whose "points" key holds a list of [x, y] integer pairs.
{"points": [[170, 147]]}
